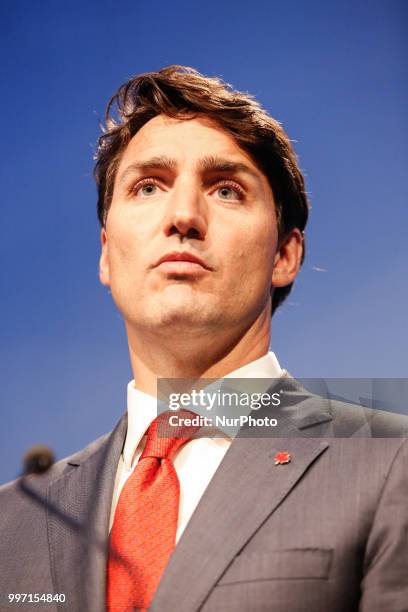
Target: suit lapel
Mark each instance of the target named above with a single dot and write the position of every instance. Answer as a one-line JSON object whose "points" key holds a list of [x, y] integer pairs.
{"points": [[245, 490], [223, 522], [84, 493]]}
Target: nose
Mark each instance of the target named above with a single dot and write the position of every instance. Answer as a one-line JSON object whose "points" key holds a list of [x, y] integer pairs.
{"points": [[185, 211]]}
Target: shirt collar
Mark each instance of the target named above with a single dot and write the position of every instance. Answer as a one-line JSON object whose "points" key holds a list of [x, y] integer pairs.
{"points": [[142, 407], [264, 367], [142, 410]]}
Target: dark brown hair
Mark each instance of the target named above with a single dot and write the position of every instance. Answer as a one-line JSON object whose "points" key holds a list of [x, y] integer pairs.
{"points": [[182, 92]]}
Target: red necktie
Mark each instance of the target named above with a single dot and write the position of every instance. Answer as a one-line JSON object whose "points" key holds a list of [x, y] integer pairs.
{"points": [[143, 534]]}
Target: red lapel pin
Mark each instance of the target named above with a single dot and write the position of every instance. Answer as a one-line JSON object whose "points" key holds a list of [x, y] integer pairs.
{"points": [[282, 457]]}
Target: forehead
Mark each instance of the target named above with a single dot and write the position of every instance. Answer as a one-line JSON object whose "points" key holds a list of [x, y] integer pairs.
{"points": [[186, 140]]}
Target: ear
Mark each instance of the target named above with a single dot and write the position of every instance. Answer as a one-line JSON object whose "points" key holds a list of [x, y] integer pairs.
{"points": [[104, 276], [288, 259]]}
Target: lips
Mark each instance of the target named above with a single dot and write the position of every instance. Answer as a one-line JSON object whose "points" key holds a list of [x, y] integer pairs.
{"points": [[184, 256]]}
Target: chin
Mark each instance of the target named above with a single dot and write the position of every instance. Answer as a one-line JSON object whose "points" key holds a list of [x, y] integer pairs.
{"points": [[181, 316], [184, 316], [175, 311]]}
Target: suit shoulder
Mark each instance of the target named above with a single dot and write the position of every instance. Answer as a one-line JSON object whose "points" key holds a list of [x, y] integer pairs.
{"points": [[56, 470], [353, 419]]}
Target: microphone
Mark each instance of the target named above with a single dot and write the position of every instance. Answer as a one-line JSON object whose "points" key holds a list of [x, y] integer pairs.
{"points": [[37, 461]]}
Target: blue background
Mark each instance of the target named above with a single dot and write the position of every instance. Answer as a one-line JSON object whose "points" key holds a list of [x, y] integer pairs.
{"points": [[333, 72]]}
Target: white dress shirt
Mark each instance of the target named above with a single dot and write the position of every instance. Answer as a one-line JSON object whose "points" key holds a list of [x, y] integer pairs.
{"points": [[197, 461]]}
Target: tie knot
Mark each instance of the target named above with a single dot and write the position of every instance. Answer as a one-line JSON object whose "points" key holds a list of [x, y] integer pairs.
{"points": [[167, 433]]}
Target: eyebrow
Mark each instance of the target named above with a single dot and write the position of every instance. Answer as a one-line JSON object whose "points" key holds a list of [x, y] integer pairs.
{"points": [[208, 164], [159, 162], [212, 163]]}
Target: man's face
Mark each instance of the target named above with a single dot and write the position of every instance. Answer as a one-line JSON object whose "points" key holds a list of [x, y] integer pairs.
{"points": [[185, 188]]}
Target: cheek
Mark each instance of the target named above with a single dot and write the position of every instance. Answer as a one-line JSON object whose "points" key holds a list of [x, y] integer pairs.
{"points": [[124, 249], [120, 253], [251, 253]]}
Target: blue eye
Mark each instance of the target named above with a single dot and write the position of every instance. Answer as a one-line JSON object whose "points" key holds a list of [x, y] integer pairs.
{"points": [[225, 192], [148, 189], [228, 193]]}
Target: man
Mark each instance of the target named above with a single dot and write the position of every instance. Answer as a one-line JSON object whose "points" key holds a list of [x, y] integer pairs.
{"points": [[203, 208]]}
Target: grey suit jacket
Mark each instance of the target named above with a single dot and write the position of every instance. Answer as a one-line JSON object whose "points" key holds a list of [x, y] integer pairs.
{"points": [[327, 532]]}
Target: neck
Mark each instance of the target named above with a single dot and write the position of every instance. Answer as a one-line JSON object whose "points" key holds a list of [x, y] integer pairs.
{"points": [[194, 356]]}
